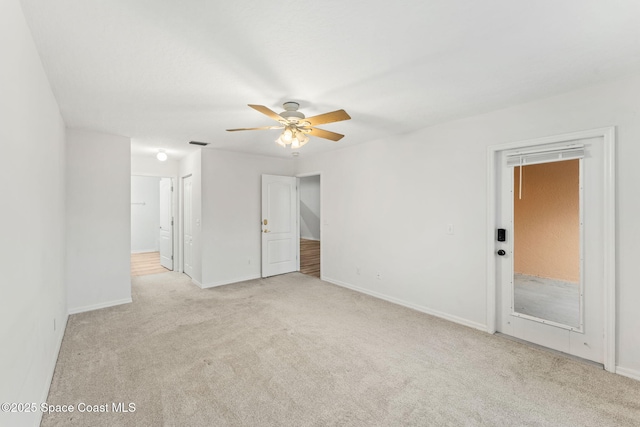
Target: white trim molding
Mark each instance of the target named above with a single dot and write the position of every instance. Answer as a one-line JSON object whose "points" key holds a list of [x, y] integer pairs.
{"points": [[52, 368], [225, 282], [629, 373], [609, 228], [420, 308], [100, 305]]}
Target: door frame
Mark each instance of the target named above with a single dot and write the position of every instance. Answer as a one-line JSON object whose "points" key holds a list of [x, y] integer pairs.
{"points": [[181, 223], [303, 175], [609, 229], [173, 225], [175, 211]]}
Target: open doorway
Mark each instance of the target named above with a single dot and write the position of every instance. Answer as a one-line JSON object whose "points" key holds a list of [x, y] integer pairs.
{"points": [[151, 225], [310, 242]]}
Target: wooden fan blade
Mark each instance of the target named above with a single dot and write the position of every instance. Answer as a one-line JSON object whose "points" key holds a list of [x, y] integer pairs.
{"points": [[260, 128], [334, 116], [320, 133], [268, 112]]}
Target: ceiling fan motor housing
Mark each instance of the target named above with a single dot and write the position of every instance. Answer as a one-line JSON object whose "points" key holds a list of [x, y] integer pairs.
{"points": [[291, 111]]}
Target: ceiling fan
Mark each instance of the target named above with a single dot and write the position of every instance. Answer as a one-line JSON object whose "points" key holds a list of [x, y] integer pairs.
{"points": [[297, 127]]}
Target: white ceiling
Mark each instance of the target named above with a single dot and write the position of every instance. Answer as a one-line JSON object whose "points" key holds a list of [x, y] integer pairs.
{"points": [[165, 72]]}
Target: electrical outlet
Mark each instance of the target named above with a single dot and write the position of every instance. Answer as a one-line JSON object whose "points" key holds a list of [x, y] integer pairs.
{"points": [[378, 276], [249, 261], [449, 228], [358, 271]]}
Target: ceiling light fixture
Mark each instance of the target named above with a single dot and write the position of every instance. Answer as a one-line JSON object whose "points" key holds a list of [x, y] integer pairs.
{"points": [[162, 156], [292, 136]]}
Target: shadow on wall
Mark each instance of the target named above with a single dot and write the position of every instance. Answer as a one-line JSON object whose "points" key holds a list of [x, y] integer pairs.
{"points": [[310, 222]]}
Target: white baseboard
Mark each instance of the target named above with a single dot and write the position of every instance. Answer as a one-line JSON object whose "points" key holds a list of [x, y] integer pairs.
{"points": [[629, 373], [145, 251], [310, 238], [225, 282], [99, 306], [52, 368], [449, 317], [626, 372]]}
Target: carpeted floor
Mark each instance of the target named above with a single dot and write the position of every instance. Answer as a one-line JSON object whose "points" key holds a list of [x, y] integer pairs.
{"points": [[292, 350]]}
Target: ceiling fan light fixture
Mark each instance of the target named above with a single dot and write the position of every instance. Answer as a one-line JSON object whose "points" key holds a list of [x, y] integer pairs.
{"points": [[302, 138], [280, 142], [287, 135]]}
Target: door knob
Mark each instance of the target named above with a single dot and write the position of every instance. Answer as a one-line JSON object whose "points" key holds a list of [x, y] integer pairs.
{"points": [[267, 231], [501, 252]]}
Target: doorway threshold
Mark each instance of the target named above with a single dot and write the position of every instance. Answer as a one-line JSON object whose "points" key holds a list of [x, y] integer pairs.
{"points": [[550, 350]]}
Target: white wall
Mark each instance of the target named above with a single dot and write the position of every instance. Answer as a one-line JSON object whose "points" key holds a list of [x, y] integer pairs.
{"points": [[192, 165], [231, 213], [98, 220], [309, 191], [387, 204], [32, 289], [151, 166], [145, 214]]}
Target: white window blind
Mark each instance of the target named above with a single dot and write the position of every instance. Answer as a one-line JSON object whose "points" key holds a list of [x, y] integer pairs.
{"points": [[548, 155]]}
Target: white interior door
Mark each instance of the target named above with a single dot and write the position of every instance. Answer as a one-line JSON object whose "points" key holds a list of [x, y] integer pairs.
{"points": [[166, 223], [583, 336], [280, 232], [187, 226]]}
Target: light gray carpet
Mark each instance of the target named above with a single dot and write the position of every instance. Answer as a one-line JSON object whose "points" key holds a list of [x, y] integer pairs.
{"points": [[295, 351]]}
